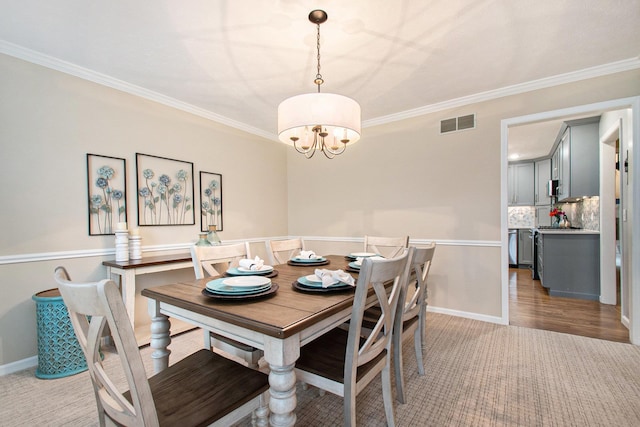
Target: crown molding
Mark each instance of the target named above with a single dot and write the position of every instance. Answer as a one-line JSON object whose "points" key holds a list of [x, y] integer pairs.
{"points": [[105, 80], [587, 73]]}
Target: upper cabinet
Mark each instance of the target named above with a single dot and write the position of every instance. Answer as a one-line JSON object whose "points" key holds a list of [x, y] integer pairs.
{"points": [[542, 177], [576, 161], [520, 184]]}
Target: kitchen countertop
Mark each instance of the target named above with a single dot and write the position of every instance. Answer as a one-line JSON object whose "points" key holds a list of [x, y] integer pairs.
{"points": [[566, 231]]}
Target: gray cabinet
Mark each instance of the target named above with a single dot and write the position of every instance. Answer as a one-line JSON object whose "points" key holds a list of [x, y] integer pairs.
{"points": [[542, 177], [520, 184], [556, 161], [525, 248], [569, 264], [542, 216], [578, 161]]}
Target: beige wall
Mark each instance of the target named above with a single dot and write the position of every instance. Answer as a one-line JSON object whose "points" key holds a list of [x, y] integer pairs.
{"points": [[406, 178], [49, 121], [402, 178]]}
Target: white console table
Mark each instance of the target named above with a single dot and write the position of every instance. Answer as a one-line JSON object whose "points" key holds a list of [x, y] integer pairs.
{"points": [[124, 273]]}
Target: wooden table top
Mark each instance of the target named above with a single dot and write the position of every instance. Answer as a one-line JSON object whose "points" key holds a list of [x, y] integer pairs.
{"points": [[148, 261], [287, 312]]}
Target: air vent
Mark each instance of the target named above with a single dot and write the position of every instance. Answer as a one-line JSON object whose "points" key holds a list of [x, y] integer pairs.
{"points": [[458, 123]]}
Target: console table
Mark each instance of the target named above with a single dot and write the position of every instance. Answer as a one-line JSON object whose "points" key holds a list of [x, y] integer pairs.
{"points": [[125, 272]]}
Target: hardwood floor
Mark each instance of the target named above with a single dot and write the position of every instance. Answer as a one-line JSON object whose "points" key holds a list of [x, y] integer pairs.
{"points": [[530, 306]]}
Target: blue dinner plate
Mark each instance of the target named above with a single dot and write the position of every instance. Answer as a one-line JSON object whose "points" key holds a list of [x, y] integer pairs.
{"points": [[240, 271], [354, 265], [309, 260], [219, 286]]}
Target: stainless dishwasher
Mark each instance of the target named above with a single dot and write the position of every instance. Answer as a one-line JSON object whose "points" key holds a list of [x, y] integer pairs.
{"points": [[513, 247]]}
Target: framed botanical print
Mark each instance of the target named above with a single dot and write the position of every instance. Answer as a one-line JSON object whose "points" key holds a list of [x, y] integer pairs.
{"points": [[210, 200], [107, 184], [165, 191]]}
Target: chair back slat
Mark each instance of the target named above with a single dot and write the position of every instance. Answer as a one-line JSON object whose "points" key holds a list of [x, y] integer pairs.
{"points": [[102, 302], [389, 247], [215, 260], [375, 274], [281, 251], [420, 264]]}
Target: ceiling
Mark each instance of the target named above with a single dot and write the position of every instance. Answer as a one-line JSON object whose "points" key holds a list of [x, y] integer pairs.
{"points": [[235, 61]]}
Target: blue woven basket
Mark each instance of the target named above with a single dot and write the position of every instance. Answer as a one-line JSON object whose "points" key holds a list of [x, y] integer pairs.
{"points": [[59, 353]]}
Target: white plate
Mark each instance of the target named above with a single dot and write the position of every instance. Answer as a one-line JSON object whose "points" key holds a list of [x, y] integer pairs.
{"points": [[264, 268], [363, 254], [246, 281], [313, 278]]}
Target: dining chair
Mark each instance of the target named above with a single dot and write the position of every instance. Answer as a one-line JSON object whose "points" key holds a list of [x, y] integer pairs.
{"points": [[280, 251], [411, 314], [388, 247], [343, 362], [215, 260], [204, 388]]}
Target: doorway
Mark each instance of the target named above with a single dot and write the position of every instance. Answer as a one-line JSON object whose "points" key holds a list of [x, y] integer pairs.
{"points": [[630, 281]]}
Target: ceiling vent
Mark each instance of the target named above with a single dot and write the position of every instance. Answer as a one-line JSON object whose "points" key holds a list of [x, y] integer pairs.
{"points": [[458, 123]]}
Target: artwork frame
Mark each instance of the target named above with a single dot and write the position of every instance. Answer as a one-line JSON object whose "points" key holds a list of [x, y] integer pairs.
{"points": [[211, 202], [106, 193], [164, 189]]}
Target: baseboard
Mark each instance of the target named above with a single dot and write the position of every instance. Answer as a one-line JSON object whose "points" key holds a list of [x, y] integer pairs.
{"points": [[467, 315], [19, 365]]}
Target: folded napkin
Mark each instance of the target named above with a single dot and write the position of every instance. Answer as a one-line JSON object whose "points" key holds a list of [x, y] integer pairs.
{"points": [[308, 255], [359, 259], [331, 277], [251, 264]]}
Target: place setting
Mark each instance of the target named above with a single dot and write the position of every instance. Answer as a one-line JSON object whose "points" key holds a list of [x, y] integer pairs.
{"points": [[355, 255], [240, 288], [307, 259], [252, 267], [324, 280], [358, 257]]}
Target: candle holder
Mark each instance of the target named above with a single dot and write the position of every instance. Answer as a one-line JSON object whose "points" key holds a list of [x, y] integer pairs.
{"points": [[135, 248], [122, 245]]}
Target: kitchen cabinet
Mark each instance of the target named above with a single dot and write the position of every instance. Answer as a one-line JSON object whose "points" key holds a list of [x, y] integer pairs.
{"points": [[520, 184], [525, 248], [578, 161], [556, 161], [542, 216], [542, 177], [568, 263]]}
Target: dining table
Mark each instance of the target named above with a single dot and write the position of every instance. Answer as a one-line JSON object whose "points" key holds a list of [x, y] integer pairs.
{"points": [[279, 323]]}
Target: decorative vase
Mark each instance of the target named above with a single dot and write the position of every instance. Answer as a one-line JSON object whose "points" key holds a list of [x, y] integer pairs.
{"points": [[555, 223], [212, 236], [202, 241], [122, 245], [135, 249]]}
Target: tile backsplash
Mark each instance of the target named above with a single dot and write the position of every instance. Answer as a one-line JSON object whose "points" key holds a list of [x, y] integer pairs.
{"points": [[522, 216], [583, 214]]}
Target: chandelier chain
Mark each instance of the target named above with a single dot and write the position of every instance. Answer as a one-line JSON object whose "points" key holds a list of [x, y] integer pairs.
{"points": [[318, 79]]}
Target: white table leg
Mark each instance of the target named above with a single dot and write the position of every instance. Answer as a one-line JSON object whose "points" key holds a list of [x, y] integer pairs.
{"points": [[281, 356], [160, 337], [129, 294], [126, 279]]}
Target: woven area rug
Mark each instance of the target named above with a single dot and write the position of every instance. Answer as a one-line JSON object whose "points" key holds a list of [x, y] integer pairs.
{"points": [[477, 374]]}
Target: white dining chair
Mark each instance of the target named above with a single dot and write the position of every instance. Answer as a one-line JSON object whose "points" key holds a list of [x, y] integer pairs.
{"points": [[280, 251], [215, 260], [204, 388], [343, 362], [411, 315], [388, 247]]}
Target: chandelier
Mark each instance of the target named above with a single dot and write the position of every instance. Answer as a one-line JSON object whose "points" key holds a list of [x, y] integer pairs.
{"points": [[324, 122]]}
